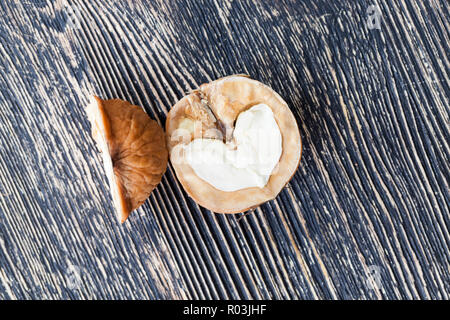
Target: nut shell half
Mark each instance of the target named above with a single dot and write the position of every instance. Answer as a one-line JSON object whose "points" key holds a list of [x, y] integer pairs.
{"points": [[134, 151], [217, 105]]}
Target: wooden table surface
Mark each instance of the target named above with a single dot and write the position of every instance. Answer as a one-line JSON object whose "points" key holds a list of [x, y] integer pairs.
{"points": [[366, 215]]}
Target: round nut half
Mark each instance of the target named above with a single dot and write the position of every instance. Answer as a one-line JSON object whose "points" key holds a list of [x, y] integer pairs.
{"points": [[216, 105], [134, 151]]}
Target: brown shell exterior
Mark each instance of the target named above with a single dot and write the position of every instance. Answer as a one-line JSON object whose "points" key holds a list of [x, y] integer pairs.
{"points": [[137, 148], [227, 97]]}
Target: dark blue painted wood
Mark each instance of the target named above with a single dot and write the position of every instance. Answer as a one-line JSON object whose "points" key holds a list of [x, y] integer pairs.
{"points": [[365, 217]]}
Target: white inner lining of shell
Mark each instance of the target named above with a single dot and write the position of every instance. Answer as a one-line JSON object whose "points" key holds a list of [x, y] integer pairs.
{"points": [[246, 161]]}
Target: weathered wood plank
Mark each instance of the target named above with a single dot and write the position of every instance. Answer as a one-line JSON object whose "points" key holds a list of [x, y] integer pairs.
{"points": [[370, 200]]}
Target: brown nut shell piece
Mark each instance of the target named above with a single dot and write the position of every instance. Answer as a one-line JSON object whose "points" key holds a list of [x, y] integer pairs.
{"points": [[223, 100], [134, 151]]}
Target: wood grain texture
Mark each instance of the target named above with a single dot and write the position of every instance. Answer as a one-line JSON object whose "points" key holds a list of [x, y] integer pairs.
{"points": [[370, 200]]}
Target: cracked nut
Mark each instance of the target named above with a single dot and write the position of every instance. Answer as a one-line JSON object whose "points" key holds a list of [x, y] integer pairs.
{"points": [[234, 144]]}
